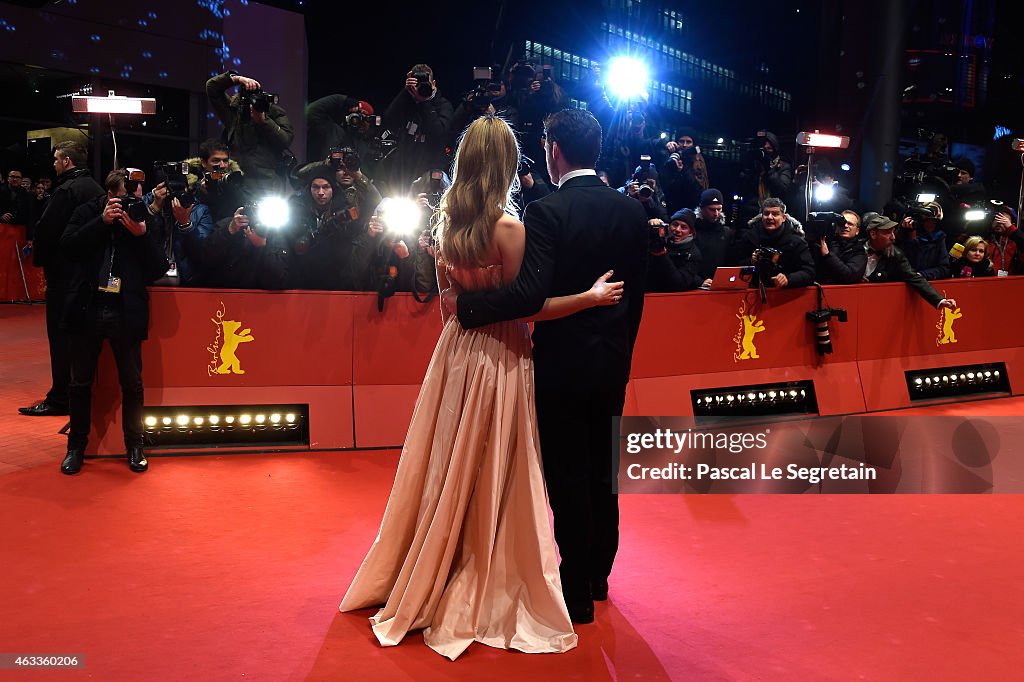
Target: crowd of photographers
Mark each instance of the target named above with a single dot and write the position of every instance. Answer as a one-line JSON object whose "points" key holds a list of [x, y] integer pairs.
{"points": [[245, 214]]}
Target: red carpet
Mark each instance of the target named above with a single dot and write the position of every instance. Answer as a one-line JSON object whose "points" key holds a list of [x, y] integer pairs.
{"points": [[231, 567]]}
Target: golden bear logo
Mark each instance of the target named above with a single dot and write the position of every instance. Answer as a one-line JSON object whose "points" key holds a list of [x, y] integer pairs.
{"points": [[945, 326], [749, 326], [223, 350]]}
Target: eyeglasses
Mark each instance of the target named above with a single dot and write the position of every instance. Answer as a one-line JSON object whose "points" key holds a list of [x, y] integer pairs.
{"points": [[12, 176]]}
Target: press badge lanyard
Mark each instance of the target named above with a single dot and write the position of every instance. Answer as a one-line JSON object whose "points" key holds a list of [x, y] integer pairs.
{"points": [[113, 285]]}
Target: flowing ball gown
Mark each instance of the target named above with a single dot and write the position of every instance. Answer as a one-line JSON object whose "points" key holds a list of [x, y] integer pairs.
{"points": [[465, 549]]}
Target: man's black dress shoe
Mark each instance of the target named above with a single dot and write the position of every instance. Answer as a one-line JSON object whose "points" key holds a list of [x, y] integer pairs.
{"points": [[599, 589], [581, 613], [43, 409], [137, 459], [72, 463]]}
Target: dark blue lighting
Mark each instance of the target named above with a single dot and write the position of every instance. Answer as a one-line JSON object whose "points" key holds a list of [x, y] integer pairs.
{"points": [[151, 15], [143, 23], [95, 37], [162, 74], [94, 69], [147, 54]]}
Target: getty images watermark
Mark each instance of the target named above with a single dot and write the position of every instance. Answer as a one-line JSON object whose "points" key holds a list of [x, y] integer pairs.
{"points": [[860, 454]]}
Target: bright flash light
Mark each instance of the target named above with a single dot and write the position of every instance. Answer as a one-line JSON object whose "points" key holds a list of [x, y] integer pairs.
{"points": [[824, 192], [974, 214], [272, 213], [401, 216], [627, 77], [925, 197], [721, 140], [845, 167], [664, 135]]}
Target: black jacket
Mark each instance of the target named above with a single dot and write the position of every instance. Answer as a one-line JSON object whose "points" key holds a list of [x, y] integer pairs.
{"points": [[230, 261], [71, 190], [88, 243], [958, 269], [927, 254], [795, 262], [573, 236], [844, 263], [326, 119], [257, 148], [421, 130], [894, 267], [678, 270], [714, 240]]}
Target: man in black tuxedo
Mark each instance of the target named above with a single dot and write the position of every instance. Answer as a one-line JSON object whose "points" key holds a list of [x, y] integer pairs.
{"points": [[581, 362]]}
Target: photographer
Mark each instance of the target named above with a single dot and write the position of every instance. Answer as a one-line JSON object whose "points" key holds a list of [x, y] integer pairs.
{"points": [[685, 173], [531, 185], [110, 243], [533, 94], [15, 202], [355, 196], [428, 190], [923, 242], [626, 145], [489, 96], [242, 254], [774, 247], [714, 238], [840, 258], [887, 263], [676, 267], [382, 262], [255, 127], [643, 187], [337, 121], [766, 174], [827, 195], [421, 118]]}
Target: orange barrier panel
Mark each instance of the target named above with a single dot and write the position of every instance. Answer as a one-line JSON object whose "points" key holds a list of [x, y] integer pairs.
{"points": [[12, 286], [360, 370]]}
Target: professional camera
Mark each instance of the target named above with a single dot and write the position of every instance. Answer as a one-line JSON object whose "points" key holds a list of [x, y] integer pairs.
{"points": [[360, 122], [766, 262], [258, 101], [220, 182], [522, 74], [657, 238], [174, 175], [526, 165], [344, 157], [820, 318], [423, 86], [978, 216], [135, 208], [824, 224], [435, 188], [642, 175], [486, 89], [382, 145], [267, 215]]}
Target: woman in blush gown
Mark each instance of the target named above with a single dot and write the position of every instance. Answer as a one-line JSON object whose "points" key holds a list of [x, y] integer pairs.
{"points": [[465, 550]]}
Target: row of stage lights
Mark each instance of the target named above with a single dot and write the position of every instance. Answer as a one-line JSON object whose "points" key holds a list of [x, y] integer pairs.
{"points": [[954, 381], [751, 398], [216, 422], [765, 399]]}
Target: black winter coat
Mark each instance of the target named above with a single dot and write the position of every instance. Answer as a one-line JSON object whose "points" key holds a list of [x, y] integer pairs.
{"points": [[88, 243], [844, 263], [795, 262], [71, 190], [894, 267]]}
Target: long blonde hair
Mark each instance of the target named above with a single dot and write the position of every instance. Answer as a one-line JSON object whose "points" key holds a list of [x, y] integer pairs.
{"points": [[484, 180]]}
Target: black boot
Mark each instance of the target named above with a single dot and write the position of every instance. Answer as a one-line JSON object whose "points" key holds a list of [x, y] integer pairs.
{"points": [[137, 459], [72, 463]]}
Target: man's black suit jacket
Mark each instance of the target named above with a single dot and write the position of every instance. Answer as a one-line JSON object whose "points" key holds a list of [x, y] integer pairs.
{"points": [[573, 236]]}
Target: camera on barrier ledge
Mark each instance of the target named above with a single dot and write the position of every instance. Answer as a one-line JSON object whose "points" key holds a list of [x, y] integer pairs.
{"points": [[254, 101], [824, 224], [344, 158], [820, 319], [766, 262], [642, 176]]}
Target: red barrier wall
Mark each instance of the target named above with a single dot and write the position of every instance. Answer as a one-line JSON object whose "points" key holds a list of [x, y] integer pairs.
{"points": [[360, 370], [12, 287]]}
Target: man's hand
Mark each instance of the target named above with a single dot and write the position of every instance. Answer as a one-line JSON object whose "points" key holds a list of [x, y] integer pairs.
{"points": [[375, 227], [780, 280], [182, 215], [948, 303], [632, 188], [672, 146], [706, 283], [1001, 223], [605, 293], [534, 87], [137, 229], [244, 83], [160, 193], [527, 181], [425, 245], [259, 117], [7, 218], [239, 221], [400, 249], [410, 86], [907, 223], [450, 302], [422, 201], [824, 247], [112, 211]]}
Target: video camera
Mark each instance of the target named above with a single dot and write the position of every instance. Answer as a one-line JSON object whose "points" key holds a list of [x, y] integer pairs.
{"points": [[487, 87], [344, 157], [657, 238], [642, 175], [254, 101], [824, 224]]}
